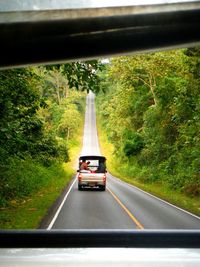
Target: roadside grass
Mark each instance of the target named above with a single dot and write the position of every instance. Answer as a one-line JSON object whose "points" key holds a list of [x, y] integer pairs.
{"points": [[27, 212], [133, 175]]}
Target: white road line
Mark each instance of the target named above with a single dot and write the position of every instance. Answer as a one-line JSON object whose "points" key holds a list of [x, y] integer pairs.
{"points": [[160, 199], [61, 205]]}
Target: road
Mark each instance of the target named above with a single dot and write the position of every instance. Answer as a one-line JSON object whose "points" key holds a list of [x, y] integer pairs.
{"points": [[121, 206]]}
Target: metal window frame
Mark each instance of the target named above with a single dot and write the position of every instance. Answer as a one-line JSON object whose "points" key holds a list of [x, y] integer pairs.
{"points": [[58, 36], [100, 239]]}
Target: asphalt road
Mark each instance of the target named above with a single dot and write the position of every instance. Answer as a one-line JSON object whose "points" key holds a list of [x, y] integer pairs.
{"points": [[121, 206]]}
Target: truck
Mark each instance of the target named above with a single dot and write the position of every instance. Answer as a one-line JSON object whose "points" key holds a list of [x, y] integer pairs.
{"points": [[92, 172]]}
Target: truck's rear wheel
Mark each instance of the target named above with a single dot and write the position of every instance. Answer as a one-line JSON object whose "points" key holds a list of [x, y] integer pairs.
{"points": [[103, 188], [80, 187]]}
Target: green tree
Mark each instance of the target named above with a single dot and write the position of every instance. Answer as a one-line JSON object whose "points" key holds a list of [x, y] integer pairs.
{"points": [[151, 114], [69, 122], [19, 124], [21, 129], [83, 76]]}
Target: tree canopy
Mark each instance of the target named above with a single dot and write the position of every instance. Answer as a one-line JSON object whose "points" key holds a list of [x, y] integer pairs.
{"points": [[41, 110], [151, 114]]}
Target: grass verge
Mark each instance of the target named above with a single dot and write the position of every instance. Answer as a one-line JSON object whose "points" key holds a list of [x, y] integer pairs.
{"points": [[27, 212]]}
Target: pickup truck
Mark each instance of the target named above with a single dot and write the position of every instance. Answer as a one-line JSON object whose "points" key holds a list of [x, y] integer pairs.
{"points": [[92, 174]]}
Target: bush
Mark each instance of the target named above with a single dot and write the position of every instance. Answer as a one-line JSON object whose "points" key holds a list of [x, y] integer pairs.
{"points": [[22, 177], [134, 145]]}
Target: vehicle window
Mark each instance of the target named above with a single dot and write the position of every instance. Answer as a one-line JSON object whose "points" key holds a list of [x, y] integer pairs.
{"points": [[93, 163], [47, 4], [146, 105], [100, 79]]}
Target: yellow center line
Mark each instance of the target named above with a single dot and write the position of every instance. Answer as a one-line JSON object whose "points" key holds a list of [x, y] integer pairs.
{"points": [[138, 224]]}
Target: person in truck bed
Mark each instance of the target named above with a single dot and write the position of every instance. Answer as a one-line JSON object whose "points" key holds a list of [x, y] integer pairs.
{"points": [[84, 165]]}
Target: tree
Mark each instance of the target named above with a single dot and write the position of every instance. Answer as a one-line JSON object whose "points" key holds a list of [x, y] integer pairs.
{"points": [[81, 75], [19, 124], [155, 99], [22, 131], [69, 122], [146, 70]]}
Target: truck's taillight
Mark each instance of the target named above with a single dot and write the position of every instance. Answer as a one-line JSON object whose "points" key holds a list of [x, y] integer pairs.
{"points": [[104, 178], [79, 177]]}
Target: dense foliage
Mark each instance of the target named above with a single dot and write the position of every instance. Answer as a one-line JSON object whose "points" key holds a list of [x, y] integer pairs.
{"points": [[151, 113], [21, 130], [41, 110], [82, 75]]}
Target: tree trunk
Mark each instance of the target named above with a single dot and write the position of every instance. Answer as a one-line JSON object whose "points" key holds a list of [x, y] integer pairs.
{"points": [[152, 85]]}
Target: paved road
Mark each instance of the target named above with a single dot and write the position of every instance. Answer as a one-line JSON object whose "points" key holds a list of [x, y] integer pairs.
{"points": [[121, 206]]}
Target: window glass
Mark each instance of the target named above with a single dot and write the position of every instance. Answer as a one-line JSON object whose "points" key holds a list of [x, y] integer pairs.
{"points": [[17, 5]]}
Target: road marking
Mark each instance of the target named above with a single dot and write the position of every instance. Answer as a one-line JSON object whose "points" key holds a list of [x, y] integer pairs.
{"points": [[160, 199], [61, 205], [138, 224]]}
